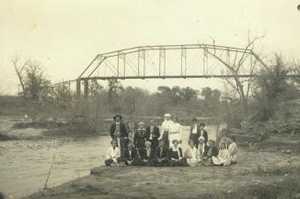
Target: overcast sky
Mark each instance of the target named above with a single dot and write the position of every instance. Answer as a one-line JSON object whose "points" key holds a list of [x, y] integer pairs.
{"points": [[64, 35]]}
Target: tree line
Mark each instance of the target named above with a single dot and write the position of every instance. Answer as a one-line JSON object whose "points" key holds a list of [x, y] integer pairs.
{"points": [[256, 99]]}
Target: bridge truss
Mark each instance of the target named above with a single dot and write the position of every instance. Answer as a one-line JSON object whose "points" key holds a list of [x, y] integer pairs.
{"points": [[170, 61]]}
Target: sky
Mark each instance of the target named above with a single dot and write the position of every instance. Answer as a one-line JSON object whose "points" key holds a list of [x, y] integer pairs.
{"points": [[64, 35]]}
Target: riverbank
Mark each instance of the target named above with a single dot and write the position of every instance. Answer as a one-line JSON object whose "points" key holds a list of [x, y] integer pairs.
{"points": [[264, 171], [16, 128]]}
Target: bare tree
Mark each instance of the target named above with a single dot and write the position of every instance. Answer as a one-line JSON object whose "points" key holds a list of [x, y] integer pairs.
{"points": [[31, 77], [241, 86], [19, 68]]}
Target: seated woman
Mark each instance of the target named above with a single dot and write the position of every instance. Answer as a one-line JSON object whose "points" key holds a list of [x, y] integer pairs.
{"points": [[113, 155], [176, 155], [223, 158], [233, 151], [131, 153], [212, 150], [163, 155], [191, 154]]}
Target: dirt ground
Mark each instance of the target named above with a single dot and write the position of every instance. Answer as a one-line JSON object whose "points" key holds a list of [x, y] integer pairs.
{"points": [[266, 170]]}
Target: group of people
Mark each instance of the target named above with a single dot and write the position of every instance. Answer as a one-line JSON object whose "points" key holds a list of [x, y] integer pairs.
{"points": [[152, 145]]}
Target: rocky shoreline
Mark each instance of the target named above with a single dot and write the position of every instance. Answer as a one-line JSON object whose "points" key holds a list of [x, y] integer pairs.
{"points": [[17, 129]]}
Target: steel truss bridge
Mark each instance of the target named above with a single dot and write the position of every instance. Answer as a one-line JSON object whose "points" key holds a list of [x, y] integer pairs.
{"points": [[170, 61]]}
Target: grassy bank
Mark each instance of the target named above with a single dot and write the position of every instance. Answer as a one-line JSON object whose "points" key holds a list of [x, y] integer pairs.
{"points": [[260, 173]]}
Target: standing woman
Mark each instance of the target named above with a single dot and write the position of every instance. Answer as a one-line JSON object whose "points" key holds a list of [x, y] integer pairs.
{"points": [[164, 142]]}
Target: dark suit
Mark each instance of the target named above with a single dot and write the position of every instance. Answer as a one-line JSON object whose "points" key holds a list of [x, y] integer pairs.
{"points": [[195, 136], [175, 155], [123, 130], [212, 151], [123, 136], [153, 136], [139, 143]]}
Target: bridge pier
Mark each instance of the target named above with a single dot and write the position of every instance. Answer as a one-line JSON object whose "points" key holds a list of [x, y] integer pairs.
{"points": [[78, 87], [86, 87]]}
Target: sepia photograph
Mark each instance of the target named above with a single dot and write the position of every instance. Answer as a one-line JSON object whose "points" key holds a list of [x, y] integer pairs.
{"points": [[149, 99]]}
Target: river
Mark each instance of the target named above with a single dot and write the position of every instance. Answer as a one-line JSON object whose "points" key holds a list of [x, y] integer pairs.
{"points": [[25, 163]]}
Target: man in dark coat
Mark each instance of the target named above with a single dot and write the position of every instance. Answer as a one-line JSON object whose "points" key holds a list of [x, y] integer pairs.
{"points": [[203, 133], [198, 132], [118, 132], [152, 135]]}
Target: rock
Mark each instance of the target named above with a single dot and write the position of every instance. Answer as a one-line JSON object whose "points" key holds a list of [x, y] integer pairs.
{"points": [[288, 151]]}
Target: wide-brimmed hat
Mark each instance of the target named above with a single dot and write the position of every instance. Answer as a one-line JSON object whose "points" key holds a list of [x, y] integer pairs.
{"points": [[117, 115], [167, 115], [141, 123]]}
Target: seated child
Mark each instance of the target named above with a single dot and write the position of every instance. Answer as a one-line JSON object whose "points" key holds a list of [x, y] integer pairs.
{"points": [[191, 154], [113, 155], [131, 153], [212, 149], [148, 149], [176, 155]]}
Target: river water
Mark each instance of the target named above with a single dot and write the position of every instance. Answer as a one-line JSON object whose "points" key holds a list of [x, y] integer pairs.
{"points": [[25, 163]]}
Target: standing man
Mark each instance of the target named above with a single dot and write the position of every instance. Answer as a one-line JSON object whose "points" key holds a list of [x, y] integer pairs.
{"points": [[152, 135], [194, 133], [118, 132], [203, 133], [198, 132]]}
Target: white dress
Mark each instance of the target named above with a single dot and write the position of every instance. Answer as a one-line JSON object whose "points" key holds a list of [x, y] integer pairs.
{"points": [[223, 158], [191, 155], [233, 151], [113, 154]]}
